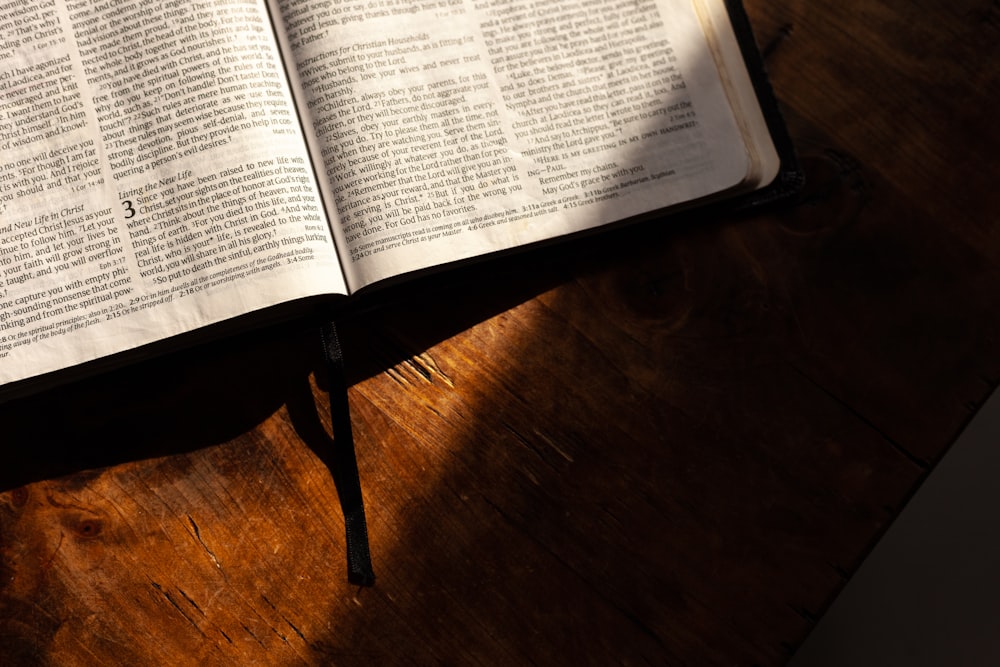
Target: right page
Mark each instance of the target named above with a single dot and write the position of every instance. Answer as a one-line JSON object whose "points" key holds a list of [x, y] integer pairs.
{"points": [[447, 129]]}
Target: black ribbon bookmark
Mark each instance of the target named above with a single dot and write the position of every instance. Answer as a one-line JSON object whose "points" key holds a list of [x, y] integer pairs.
{"points": [[344, 464]]}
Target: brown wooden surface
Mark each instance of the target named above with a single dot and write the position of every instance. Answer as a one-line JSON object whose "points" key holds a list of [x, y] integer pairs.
{"points": [[665, 445]]}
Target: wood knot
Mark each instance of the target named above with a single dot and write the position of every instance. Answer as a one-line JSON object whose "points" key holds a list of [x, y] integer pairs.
{"points": [[772, 45], [652, 289], [89, 528], [82, 525], [19, 497], [834, 194]]}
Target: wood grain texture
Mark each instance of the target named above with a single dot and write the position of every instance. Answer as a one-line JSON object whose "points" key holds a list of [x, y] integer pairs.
{"points": [[669, 444]]}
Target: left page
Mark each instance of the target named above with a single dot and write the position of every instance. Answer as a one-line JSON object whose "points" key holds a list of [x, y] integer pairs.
{"points": [[153, 177]]}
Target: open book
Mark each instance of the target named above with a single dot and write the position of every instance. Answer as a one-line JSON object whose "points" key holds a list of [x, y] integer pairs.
{"points": [[169, 166]]}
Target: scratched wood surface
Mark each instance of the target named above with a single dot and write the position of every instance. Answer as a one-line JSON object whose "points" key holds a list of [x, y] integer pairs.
{"points": [[666, 445]]}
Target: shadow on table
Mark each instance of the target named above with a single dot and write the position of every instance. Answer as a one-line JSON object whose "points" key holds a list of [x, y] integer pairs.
{"points": [[205, 395]]}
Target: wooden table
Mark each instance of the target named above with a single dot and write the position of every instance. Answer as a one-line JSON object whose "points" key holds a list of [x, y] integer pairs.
{"points": [[667, 445]]}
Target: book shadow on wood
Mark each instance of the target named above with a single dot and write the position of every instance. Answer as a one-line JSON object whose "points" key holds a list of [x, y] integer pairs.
{"points": [[170, 404], [206, 395]]}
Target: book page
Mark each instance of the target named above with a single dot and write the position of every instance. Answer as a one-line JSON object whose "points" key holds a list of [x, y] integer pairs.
{"points": [[452, 128], [153, 177], [725, 47]]}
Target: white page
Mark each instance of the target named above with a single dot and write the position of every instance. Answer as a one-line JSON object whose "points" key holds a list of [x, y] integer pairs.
{"points": [[452, 128], [153, 178]]}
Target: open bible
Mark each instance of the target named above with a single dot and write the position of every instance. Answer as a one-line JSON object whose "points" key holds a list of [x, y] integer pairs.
{"points": [[169, 166]]}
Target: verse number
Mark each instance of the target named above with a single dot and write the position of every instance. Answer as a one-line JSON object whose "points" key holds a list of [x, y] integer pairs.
{"points": [[129, 211]]}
